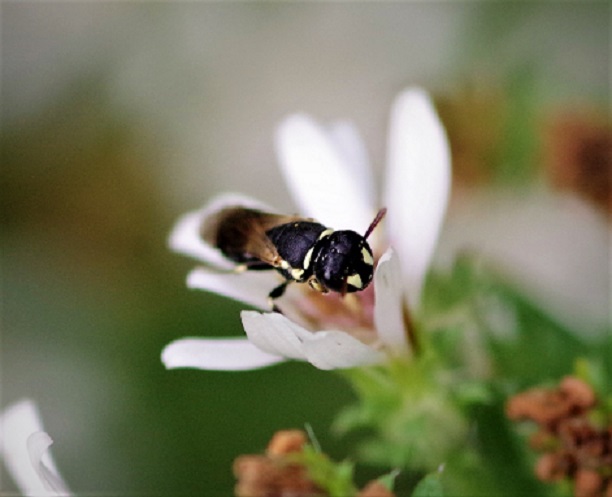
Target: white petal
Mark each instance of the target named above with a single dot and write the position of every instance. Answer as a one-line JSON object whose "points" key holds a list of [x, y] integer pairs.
{"points": [[417, 187], [217, 354], [250, 287], [388, 313], [350, 144], [274, 333], [38, 443], [323, 183], [22, 455], [553, 247], [185, 236], [339, 350]]}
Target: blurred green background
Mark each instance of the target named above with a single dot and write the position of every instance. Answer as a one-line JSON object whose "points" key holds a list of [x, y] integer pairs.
{"points": [[118, 117]]}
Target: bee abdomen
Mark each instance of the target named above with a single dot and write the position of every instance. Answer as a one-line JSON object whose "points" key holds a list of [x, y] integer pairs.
{"points": [[231, 231]]}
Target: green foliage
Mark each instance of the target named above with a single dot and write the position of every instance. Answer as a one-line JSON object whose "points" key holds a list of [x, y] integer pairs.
{"points": [[388, 480], [336, 478], [412, 419], [477, 321], [481, 341], [429, 486], [596, 374]]}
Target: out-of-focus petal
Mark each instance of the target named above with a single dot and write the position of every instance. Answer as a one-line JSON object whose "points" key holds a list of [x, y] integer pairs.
{"points": [[38, 444], [339, 350], [553, 247], [350, 144], [217, 354], [250, 287], [417, 186], [23, 455], [388, 312], [322, 182], [276, 334], [185, 237]]}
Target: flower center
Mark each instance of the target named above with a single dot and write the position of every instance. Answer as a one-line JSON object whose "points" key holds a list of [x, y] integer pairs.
{"points": [[353, 313]]}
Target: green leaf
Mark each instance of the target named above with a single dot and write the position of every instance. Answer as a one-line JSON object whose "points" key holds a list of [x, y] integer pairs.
{"points": [[430, 486], [388, 480], [336, 478]]}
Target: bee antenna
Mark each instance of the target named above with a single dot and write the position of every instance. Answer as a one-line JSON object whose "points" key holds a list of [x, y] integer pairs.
{"points": [[373, 224]]}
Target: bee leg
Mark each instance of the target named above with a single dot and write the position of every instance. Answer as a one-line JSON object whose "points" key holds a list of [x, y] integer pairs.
{"points": [[276, 293]]}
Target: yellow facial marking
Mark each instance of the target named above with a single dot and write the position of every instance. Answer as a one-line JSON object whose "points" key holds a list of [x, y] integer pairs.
{"points": [[355, 280], [367, 257]]}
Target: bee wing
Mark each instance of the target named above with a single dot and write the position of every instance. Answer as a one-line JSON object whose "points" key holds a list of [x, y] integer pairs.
{"points": [[186, 237], [240, 233]]}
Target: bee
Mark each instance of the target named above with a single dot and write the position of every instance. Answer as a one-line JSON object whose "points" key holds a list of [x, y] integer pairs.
{"points": [[300, 249]]}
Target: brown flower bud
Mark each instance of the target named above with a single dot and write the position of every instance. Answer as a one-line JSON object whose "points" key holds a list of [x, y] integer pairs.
{"points": [[375, 489], [255, 475], [588, 483], [608, 491], [543, 440], [578, 393], [286, 441], [552, 466], [574, 445], [543, 406], [275, 474]]}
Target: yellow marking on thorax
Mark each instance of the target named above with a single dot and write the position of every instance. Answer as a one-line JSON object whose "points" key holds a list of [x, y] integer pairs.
{"points": [[325, 233], [308, 257]]}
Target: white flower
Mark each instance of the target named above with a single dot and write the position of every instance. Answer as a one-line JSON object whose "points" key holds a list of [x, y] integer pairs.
{"points": [[24, 449], [329, 176]]}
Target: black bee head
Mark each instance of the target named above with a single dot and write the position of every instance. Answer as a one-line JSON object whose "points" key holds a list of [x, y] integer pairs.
{"points": [[344, 262]]}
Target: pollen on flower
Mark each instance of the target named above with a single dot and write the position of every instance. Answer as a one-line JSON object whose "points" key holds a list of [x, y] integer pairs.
{"points": [[571, 444]]}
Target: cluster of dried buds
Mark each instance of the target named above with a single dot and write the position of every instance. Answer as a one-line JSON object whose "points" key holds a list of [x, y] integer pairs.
{"points": [[572, 444], [280, 472]]}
